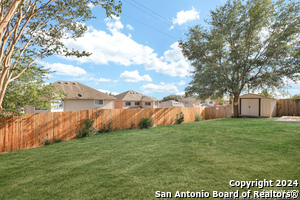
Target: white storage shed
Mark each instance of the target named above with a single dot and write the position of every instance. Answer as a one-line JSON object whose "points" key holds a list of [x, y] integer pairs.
{"points": [[257, 106]]}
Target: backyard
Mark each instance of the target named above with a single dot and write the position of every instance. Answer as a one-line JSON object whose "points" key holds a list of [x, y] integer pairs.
{"points": [[134, 164]]}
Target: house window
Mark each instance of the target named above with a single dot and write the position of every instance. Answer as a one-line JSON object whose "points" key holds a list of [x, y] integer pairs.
{"points": [[98, 102], [58, 105], [156, 103], [210, 102], [186, 102], [128, 103], [39, 108], [137, 103], [147, 103]]}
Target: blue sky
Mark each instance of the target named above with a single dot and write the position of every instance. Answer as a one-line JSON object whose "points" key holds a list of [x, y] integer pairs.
{"points": [[137, 51]]}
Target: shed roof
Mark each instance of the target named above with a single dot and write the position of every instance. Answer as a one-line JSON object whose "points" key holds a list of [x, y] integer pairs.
{"points": [[77, 90], [254, 96]]}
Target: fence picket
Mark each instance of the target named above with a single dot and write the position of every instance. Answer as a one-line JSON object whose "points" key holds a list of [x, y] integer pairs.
{"points": [[21, 132]]}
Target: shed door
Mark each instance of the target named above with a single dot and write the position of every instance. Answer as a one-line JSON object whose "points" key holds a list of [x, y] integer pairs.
{"points": [[250, 107], [254, 106]]}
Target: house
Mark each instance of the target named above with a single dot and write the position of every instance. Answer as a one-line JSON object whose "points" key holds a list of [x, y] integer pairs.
{"points": [[171, 104], [190, 102], [79, 97], [132, 99], [208, 102], [257, 105]]}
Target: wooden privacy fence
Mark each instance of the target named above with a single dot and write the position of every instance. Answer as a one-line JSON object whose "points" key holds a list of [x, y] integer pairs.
{"points": [[22, 132], [288, 107]]}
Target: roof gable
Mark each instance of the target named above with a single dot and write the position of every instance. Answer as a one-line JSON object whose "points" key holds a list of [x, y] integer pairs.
{"points": [[77, 90], [131, 95]]}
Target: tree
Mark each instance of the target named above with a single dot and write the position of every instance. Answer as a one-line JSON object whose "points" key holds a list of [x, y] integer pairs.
{"points": [[174, 97], [296, 96], [252, 44], [32, 29], [266, 93], [29, 89]]}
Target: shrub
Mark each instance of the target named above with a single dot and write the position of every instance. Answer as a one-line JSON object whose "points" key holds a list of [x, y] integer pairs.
{"points": [[179, 119], [47, 141], [85, 130], [55, 140], [198, 117], [104, 130], [145, 123]]}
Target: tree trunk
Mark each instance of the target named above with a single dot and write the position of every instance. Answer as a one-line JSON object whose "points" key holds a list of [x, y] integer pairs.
{"points": [[236, 106]]}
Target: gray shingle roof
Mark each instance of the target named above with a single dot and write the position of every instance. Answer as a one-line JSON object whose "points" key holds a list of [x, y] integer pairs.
{"points": [[77, 90], [131, 95], [189, 99]]}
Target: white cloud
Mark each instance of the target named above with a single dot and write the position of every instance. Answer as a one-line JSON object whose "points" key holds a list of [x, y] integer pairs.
{"points": [[91, 5], [182, 82], [63, 69], [100, 79], [134, 76], [180, 93], [129, 27], [114, 24], [121, 49], [174, 54], [186, 16], [108, 92], [162, 87], [180, 68]]}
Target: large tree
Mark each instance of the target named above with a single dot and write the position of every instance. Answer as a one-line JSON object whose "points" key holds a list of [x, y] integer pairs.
{"points": [[30, 89], [32, 29], [174, 97], [252, 44]]}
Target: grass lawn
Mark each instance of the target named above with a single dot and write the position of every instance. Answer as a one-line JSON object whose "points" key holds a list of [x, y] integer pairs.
{"points": [[134, 164]]}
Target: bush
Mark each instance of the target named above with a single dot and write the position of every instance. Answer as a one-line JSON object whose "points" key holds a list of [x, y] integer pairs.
{"points": [[198, 117], [104, 130], [85, 130], [179, 119], [47, 141], [145, 123]]}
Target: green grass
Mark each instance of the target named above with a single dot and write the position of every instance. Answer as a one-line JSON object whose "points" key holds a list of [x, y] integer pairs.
{"points": [[133, 164]]}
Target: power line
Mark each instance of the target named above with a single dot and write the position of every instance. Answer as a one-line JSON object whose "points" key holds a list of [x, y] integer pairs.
{"points": [[150, 27], [147, 13], [169, 23]]}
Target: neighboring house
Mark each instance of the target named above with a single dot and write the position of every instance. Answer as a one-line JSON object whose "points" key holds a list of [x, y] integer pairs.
{"points": [[207, 102], [257, 105], [171, 104], [132, 99], [79, 97], [190, 102]]}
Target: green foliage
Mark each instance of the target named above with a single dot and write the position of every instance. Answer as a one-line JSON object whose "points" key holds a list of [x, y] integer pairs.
{"points": [[174, 97], [145, 123], [198, 117], [47, 141], [179, 118], [296, 96], [266, 93], [104, 130], [252, 44], [37, 29], [30, 89], [85, 130]]}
